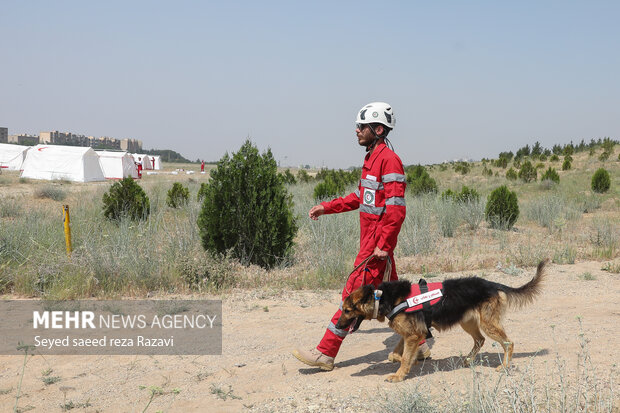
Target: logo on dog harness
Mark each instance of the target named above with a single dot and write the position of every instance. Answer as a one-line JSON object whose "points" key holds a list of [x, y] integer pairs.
{"points": [[422, 298]]}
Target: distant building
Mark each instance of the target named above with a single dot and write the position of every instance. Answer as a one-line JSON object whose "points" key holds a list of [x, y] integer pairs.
{"points": [[28, 140], [131, 145], [4, 135], [103, 142]]}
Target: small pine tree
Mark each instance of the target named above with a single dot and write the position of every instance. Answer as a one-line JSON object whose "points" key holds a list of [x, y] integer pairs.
{"points": [[527, 173], [601, 181], [511, 174], [566, 165], [551, 175], [448, 194], [604, 156], [288, 178], [420, 181], [502, 209], [554, 158], [126, 199], [462, 167], [328, 188], [247, 210], [177, 196], [303, 176], [467, 195]]}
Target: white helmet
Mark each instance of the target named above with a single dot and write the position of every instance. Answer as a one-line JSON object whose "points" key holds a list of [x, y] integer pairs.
{"points": [[377, 112]]}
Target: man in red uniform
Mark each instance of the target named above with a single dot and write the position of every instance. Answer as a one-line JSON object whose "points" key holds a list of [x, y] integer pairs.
{"points": [[380, 197]]}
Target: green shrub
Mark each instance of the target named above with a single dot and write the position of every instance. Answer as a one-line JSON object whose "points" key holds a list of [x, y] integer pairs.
{"points": [[288, 178], [527, 173], [420, 181], [551, 175], [448, 194], [502, 162], [568, 158], [566, 165], [604, 156], [467, 195], [502, 208], [126, 199], [487, 171], [462, 167], [202, 192], [511, 174], [303, 176], [177, 196], [328, 188], [247, 210], [554, 158], [601, 181]]}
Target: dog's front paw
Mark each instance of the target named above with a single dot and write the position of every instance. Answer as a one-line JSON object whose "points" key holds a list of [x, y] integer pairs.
{"points": [[394, 378], [394, 357], [501, 368]]}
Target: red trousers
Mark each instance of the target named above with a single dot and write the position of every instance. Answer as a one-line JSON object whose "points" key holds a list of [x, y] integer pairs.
{"points": [[373, 274]]}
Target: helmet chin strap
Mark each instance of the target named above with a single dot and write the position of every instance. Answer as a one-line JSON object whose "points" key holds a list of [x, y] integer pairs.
{"points": [[371, 146]]}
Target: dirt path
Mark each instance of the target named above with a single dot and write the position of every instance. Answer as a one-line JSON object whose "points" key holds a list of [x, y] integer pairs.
{"points": [[257, 372]]}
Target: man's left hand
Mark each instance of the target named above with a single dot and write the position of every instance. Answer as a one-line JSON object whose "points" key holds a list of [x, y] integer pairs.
{"points": [[379, 254]]}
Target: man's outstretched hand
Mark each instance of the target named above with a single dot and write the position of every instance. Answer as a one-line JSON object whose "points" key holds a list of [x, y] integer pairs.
{"points": [[316, 211]]}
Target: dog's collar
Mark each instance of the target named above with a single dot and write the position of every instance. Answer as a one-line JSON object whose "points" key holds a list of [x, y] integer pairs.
{"points": [[378, 294]]}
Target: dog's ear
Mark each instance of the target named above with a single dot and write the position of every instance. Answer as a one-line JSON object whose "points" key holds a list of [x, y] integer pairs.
{"points": [[369, 293]]}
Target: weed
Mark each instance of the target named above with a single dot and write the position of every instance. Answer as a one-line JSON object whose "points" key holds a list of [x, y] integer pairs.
{"points": [[511, 270], [564, 255], [70, 405], [222, 394], [50, 192], [587, 276], [447, 216], [25, 348], [611, 267], [50, 380]]}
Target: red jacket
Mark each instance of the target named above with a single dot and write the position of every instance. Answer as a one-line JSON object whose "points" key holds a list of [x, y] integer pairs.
{"points": [[381, 204]]}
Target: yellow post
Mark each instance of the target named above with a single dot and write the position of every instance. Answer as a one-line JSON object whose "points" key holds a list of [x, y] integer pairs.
{"points": [[65, 219]]}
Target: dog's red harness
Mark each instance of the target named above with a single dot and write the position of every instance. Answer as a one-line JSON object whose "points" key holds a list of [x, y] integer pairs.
{"points": [[417, 298], [421, 297]]}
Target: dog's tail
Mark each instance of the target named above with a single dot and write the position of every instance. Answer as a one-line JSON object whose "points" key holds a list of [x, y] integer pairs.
{"points": [[519, 297]]}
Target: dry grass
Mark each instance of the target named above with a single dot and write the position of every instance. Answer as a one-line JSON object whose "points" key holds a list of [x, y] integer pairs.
{"points": [[566, 222]]}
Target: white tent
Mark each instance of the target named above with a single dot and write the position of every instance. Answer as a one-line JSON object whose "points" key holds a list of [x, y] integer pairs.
{"points": [[73, 163], [143, 159], [157, 163], [117, 165], [12, 156]]}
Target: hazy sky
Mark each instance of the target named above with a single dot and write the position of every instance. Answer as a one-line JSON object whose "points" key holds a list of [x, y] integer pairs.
{"points": [[465, 79]]}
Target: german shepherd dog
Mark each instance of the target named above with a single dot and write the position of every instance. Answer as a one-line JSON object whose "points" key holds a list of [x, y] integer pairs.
{"points": [[472, 302]]}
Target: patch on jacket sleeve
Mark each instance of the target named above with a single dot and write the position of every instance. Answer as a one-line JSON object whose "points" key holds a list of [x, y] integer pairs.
{"points": [[369, 197]]}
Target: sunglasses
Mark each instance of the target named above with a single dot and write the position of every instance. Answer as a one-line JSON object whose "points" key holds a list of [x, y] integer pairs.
{"points": [[361, 126]]}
